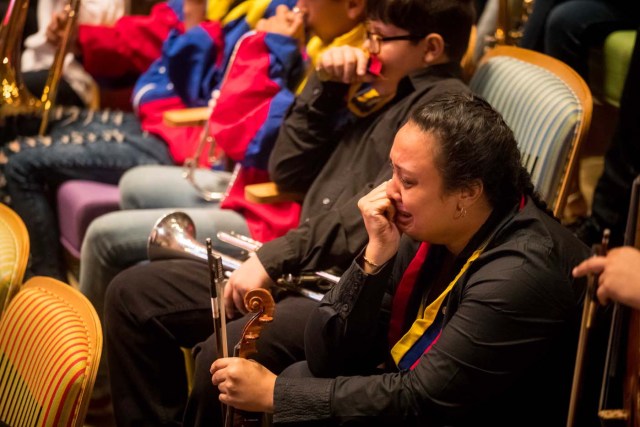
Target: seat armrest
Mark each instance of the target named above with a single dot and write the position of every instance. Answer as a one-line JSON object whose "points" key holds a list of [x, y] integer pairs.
{"points": [[268, 192], [186, 116]]}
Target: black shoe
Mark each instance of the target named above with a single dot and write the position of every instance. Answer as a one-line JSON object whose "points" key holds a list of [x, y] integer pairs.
{"points": [[586, 229]]}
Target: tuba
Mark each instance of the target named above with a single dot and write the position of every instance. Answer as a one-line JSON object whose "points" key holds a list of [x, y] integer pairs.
{"points": [[174, 236], [15, 99]]}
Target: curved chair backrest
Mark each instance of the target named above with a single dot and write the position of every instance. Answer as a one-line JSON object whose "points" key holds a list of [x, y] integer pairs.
{"points": [[50, 345], [14, 253], [547, 105]]}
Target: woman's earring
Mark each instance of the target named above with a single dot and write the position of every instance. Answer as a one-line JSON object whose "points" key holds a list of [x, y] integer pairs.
{"points": [[460, 212]]}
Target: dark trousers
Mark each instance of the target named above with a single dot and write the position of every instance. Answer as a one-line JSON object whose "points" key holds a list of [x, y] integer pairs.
{"points": [[35, 81], [568, 29], [622, 160], [151, 311]]}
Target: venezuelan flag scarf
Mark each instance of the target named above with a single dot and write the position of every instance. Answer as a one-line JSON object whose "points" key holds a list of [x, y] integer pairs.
{"points": [[425, 331]]}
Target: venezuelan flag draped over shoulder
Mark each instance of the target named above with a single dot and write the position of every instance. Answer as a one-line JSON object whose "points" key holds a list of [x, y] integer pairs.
{"points": [[170, 85], [131, 44], [191, 66], [253, 100]]}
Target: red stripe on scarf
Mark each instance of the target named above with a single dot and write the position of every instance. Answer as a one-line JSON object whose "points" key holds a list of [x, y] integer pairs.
{"points": [[403, 293]]}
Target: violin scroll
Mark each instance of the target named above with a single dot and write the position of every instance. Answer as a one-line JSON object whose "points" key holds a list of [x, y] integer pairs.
{"points": [[260, 302]]}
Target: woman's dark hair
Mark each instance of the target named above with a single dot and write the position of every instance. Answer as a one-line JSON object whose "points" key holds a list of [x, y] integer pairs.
{"points": [[452, 19], [474, 143]]}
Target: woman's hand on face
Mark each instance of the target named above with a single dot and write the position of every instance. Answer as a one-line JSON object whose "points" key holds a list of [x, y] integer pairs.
{"points": [[244, 384], [345, 64], [286, 22], [378, 213]]}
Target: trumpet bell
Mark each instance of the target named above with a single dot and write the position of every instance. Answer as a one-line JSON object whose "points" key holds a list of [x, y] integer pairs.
{"points": [[174, 236]]}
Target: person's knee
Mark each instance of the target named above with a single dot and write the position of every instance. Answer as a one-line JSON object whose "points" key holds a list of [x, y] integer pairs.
{"points": [[124, 295], [570, 21], [204, 354], [100, 235], [561, 21], [132, 186]]}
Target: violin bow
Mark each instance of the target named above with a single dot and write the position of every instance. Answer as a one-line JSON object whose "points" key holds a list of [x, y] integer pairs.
{"points": [[588, 316], [216, 286]]}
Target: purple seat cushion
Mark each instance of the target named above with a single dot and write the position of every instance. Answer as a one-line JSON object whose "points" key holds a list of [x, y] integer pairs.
{"points": [[79, 203]]}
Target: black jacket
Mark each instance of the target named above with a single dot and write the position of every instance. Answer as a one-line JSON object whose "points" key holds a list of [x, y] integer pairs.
{"points": [[505, 355]]}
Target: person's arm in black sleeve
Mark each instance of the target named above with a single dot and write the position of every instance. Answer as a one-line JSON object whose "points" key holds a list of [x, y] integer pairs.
{"points": [[309, 134], [344, 330], [347, 333], [327, 240]]}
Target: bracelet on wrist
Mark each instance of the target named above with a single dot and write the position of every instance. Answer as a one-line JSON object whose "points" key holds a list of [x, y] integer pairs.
{"points": [[370, 263]]}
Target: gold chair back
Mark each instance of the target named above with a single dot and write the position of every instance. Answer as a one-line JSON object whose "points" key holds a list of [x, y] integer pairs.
{"points": [[50, 345], [14, 254]]}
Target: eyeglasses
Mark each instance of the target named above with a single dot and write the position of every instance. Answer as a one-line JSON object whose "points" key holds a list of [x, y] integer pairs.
{"points": [[375, 40]]}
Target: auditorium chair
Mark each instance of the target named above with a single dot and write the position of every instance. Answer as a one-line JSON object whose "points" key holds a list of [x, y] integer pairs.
{"points": [[50, 340], [14, 254], [50, 345], [547, 105]]}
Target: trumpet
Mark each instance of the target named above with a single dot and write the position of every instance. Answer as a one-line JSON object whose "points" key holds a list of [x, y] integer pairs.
{"points": [[190, 165], [174, 236], [238, 240]]}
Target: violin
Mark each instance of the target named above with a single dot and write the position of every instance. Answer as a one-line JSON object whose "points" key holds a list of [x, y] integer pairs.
{"points": [[613, 354], [261, 304], [620, 393]]}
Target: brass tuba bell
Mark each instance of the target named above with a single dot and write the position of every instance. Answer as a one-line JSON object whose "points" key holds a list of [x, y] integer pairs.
{"points": [[15, 99]]}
